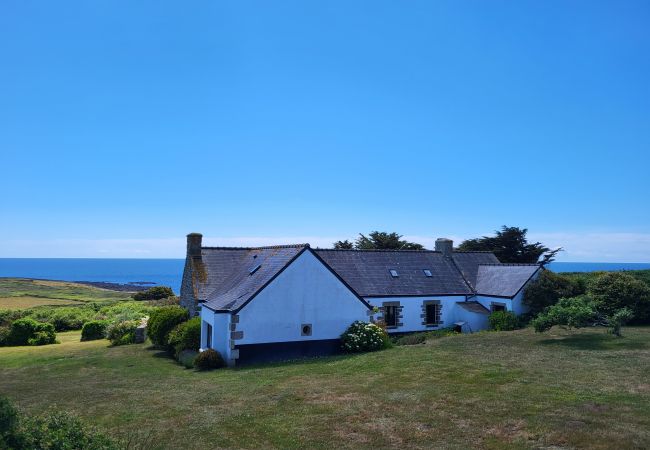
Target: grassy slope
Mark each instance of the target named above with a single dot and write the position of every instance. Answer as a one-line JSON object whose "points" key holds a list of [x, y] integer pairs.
{"points": [[583, 389], [25, 293]]}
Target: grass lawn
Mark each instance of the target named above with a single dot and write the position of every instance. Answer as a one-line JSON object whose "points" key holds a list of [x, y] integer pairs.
{"points": [[27, 301], [583, 389], [53, 290]]}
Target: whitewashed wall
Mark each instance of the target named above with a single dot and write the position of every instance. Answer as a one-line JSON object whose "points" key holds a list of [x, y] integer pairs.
{"points": [[305, 293], [487, 301], [220, 331], [412, 310], [475, 321]]}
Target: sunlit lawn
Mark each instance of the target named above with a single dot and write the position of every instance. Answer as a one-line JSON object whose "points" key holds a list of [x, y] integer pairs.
{"points": [[583, 389]]}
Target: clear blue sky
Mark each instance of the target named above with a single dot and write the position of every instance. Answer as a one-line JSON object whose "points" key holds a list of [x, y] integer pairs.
{"points": [[124, 125]]}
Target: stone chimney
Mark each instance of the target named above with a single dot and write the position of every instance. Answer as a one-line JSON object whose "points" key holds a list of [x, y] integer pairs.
{"points": [[445, 246], [194, 244]]}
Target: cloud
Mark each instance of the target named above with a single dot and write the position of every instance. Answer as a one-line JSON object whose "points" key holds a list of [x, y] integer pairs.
{"points": [[581, 247]]}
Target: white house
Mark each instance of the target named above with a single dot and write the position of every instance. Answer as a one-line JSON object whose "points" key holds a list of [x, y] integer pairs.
{"points": [[291, 301]]}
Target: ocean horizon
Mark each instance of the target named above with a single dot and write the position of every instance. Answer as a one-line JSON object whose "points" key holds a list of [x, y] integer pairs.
{"points": [[168, 272]]}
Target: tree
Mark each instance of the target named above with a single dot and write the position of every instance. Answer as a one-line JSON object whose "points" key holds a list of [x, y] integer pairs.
{"points": [[379, 240], [344, 245], [548, 288], [613, 291], [510, 245]]}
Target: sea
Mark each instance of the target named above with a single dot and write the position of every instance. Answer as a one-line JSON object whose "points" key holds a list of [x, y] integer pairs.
{"points": [[168, 272]]}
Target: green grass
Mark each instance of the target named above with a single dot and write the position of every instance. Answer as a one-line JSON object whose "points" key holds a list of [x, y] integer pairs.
{"points": [[580, 389], [55, 290], [26, 301]]}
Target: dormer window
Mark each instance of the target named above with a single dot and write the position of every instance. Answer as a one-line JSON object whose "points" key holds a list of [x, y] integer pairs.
{"points": [[254, 269], [393, 273], [427, 272]]}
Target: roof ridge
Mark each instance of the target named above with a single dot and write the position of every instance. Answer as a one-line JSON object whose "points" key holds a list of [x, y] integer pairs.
{"points": [[258, 248], [510, 264], [389, 250]]}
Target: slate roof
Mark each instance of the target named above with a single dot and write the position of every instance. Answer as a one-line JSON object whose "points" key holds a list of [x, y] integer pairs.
{"points": [[224, 282], [503, 280], [468, 262], [474, 307], [368, 272], [227, 283]]}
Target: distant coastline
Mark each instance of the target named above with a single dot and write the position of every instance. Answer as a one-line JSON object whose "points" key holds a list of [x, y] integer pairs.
{"points": [[138, 274]]}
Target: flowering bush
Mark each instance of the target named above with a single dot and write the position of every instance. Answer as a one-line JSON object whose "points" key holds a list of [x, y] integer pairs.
{"points": [[364, 337]]}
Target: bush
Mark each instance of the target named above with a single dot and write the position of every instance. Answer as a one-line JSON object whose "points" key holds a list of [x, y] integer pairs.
{"points": [[8, 424], [93, 330], [154, 293], [122, 333], [63, 318], [613, 291], [411, 339], [187, 357], [124, 311], [503, 321], [30, 332], [162, 321], [618, 319], [550, 287], [573, 312], [185, 336], [4, 335], [364, 337], [208, 360]]}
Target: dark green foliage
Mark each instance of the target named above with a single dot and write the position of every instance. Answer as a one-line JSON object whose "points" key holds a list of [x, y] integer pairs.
{"points": [[162, 321], [573, 312], [27, 331], [208, 360], [185, 336], [548, 288], [53, 430], [411, 339], [63, 318], [378, 240], [618, 319], [503, 321], [122, 333], [93, 330], [154, 293], [364, 337], [510, 245], [4, 334], [613, 291], [344, 245], [7, 316], [186, 358]]}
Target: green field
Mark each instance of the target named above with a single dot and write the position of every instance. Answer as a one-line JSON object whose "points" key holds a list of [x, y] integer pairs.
{"points": [[581, 389], [19, 293]]}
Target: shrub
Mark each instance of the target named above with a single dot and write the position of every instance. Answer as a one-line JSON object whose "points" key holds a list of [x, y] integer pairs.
{"points": [[613, 291], [93, 330], [123, 311], [122, 333], [411, 339], [503, 321], [27, 331], [63, 318], [154, 293], [8, 424], [185, 336], [162, 321], [4, 335], [550, 287], [364, 337], [618, 319], [187, 357], [573, 312], [208, 360]]}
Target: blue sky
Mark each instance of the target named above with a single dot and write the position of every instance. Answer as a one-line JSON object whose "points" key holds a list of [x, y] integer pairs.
{"points": [[126, 125]]}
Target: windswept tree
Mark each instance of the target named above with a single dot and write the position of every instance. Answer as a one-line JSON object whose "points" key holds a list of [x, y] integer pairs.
{"points": [[510, 245], [378, 240]]}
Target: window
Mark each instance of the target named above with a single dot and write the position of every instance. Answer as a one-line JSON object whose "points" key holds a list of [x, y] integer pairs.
{"points": [[427, 272], [254, 269], [305, 329], [494, 307], [208, 336], [393, 273], [390, 316], [432, 313]]}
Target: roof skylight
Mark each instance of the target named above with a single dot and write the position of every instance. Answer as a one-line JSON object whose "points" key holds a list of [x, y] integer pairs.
{"points": [[254, 269], [393, 273], [427, 272]]}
